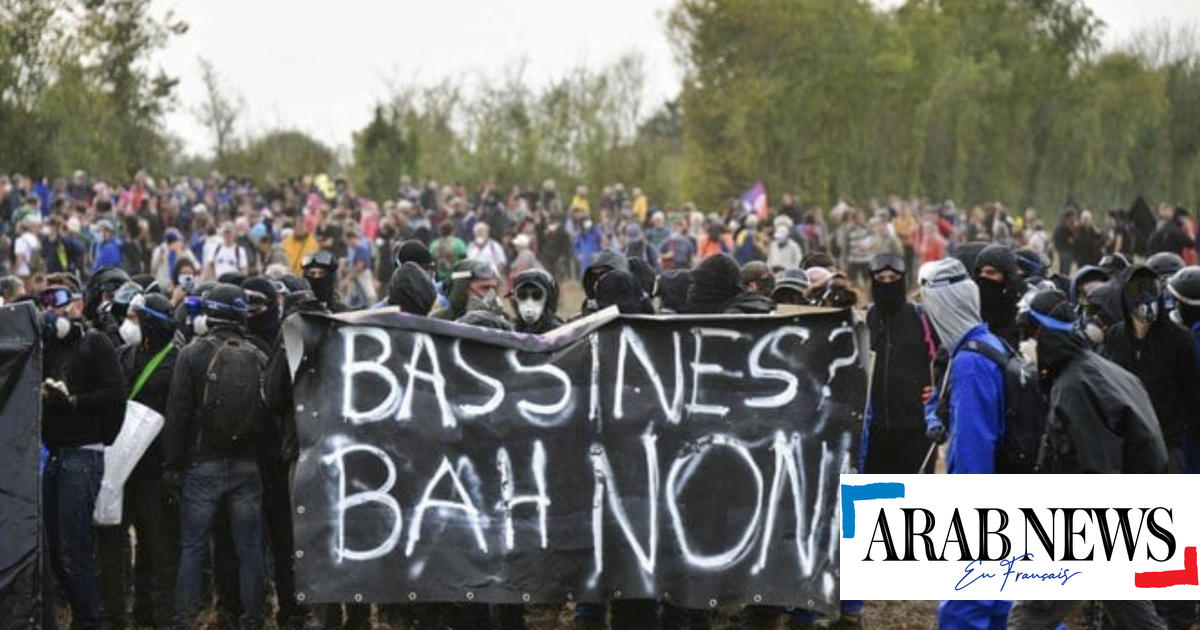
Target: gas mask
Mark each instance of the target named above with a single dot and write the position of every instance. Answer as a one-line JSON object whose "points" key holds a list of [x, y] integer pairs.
{"points": [[1146, 309], [531, 303], [56, 327], [130, 332], [200, 325]]}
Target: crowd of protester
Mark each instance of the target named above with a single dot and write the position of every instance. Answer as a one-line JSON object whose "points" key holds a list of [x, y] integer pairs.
{"points": [[171, 293]]}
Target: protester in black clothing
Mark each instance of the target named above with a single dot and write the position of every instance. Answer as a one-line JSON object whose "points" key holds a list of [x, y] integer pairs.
{"points": [[473, 287], [620, 289], [672, 289], [604, 263], [1100, 421], [1089, 243], [82, 410], [904, 346], [1170, 235], [321, 271], [411, 289], [717, 288], [1064, 242], [1000, 289], [216, 415], [757, 278], [98, 295], [534, 299], [148, 367], [1162, 355]]}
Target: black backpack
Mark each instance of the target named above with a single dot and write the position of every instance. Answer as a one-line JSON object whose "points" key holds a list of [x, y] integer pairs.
{"points": [[234, 399], [1025, 409]]}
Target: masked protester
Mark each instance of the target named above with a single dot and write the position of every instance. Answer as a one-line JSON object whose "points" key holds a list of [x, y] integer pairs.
{"points": [[473, 287], [534, 298], [82, 410], [622, 290], [321, 271], [411, 289], [975, 388], [216, 414], [757, 278], [1100, 421], [1000, 289], [1162, 355], [717, 288], [829, 289], [1184, 286], [148, 366], [1164, 265], [671, 291], [97, 302], [603, 263], [904, 345]]}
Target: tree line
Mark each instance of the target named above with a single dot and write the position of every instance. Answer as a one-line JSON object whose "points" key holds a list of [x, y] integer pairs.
{"points": [[974, 100]]}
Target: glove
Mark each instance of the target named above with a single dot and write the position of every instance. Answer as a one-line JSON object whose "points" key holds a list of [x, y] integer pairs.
{"points": [[935, 430], [56, 396], [172, 484]]}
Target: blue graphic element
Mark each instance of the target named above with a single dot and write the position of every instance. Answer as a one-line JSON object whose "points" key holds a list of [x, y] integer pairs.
{"points": [[850, 494]]}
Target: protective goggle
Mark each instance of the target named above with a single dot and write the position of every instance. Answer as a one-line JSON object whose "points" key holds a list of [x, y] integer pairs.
{"points": [[127, 292], [478, 271], [885, 262], [321, 258], [938, 283], [193, 304], [530, 292], [258, 303], [57, 297], [142, 309]]}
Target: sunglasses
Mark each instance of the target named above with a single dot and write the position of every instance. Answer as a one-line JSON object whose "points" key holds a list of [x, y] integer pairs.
{"points": [[57, 297]]}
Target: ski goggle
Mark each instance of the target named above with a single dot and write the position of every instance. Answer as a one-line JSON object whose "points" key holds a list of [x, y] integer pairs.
{"points": [[884, 262], [258, 303], [142, 309], [530, 292], [57, 297], [321, 258], [193, 304], [937, 283], [480, 270]]}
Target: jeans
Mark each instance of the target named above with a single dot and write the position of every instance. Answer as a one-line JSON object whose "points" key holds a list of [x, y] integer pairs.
{"points": [[71, 483], [208, 485]]}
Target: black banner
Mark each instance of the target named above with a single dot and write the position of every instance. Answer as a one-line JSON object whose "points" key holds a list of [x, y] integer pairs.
{"points": [[689, 459], [20, 444]]}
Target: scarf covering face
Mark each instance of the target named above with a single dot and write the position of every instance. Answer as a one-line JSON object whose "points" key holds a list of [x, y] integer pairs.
{"points": [[951, 299]]}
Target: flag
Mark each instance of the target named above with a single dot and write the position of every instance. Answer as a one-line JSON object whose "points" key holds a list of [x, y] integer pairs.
{"points": [[755, 201]]}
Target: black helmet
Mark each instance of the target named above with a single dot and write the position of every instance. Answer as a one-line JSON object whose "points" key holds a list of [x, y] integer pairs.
{"points": [[1185, 285], [1165, 264], [1114, 263], [123, 297], [226, 303]]}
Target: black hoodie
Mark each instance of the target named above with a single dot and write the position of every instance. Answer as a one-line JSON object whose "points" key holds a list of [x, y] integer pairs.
{"points": [[717, 288], [549, 319], [603, 263], [998, 301], [1165, 361]]}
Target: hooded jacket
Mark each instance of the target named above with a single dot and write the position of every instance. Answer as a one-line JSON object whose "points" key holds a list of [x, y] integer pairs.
{"points": [[603, 263], [549, 319], [411, 290], [1101, 419], [894, 438], [717, 288], [1165, 362], [87, 362]]}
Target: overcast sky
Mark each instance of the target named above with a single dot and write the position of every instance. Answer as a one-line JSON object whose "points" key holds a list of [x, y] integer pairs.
{"points": [[320, 66]]}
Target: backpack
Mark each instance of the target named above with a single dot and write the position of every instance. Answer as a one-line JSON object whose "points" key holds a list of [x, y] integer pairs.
{"points": [[1025, 409], [234, 398]]}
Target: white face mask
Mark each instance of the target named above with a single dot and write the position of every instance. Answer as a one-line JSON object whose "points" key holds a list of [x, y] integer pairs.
{"points": [[587, 225], [531, 309], [200, 325], [130, 332], [781, 234], [62, 327]]}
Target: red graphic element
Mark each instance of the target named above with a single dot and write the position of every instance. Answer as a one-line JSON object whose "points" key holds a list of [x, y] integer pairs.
{"points": [[1187, 576]]}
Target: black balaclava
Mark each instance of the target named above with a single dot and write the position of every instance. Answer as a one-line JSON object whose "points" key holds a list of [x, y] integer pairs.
{"points": [[411, 290], [619, 288], [715, 281], [323, 287], [888, 296], [264, 325], [673, 288], [158, 325], [998, 300], [1053, 319]]}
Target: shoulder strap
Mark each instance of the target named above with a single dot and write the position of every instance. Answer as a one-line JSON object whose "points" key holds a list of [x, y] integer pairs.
{"points": [[929, 345], [999, 357], [149, 370]]}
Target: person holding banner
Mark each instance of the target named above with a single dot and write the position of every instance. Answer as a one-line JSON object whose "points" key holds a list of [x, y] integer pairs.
{"points": [[82, 410]]}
